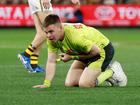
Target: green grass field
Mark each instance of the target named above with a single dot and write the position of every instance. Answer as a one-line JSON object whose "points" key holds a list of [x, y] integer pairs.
{"points": [[16, 84]]}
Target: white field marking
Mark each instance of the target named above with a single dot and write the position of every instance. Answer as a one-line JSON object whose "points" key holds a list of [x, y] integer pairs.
{"points": [[117, 44]]}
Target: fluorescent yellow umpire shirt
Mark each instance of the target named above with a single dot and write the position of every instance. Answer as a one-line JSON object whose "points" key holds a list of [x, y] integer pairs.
{"points": [[79, 39]]}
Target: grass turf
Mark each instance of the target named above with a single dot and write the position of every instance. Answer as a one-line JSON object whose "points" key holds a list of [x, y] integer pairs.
{"points": [[16, 84]]}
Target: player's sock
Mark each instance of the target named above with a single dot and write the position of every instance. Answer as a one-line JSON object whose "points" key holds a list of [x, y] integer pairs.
{"points": [[29, 51], [34, 60], [104, 76]]}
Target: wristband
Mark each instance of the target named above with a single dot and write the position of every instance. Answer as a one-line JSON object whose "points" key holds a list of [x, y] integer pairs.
{"points": [[58, 60], [75, 57], [47, 83]]}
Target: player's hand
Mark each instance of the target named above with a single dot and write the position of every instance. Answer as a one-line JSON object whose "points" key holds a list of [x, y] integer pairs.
{"points": [[46, 4], [76, 2], [46, 84], [65, 57], [40, 86]]}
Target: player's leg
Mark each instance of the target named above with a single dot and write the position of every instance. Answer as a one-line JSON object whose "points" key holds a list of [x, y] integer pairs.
{"points": [[106, 71], [89, 77], [92, 76], [40, 34], [103, 77], [39, 13], [96, 72], [33, 49], [74, 74], [38, 40], [118, 78]]}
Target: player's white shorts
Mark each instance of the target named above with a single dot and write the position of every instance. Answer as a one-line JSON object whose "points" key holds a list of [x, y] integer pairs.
{"points": [[36, 6]]}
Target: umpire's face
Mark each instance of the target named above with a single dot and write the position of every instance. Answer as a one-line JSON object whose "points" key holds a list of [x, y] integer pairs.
{"points": [[54, 32]]}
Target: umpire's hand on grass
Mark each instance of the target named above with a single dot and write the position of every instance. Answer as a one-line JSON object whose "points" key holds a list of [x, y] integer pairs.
{"points": [[46, 84], [40, 86]]}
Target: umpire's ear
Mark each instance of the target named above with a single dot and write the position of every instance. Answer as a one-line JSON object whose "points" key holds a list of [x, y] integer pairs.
{"points": [[61, 26]]}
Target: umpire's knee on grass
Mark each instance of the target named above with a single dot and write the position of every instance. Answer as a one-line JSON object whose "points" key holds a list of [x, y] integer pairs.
{"points": [[70, 83], [87, 84], [83, 84]]}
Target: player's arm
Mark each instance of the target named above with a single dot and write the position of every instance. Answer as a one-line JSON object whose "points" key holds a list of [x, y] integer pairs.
{"points": [[93, 52], [50, 66], [50, 70]]}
